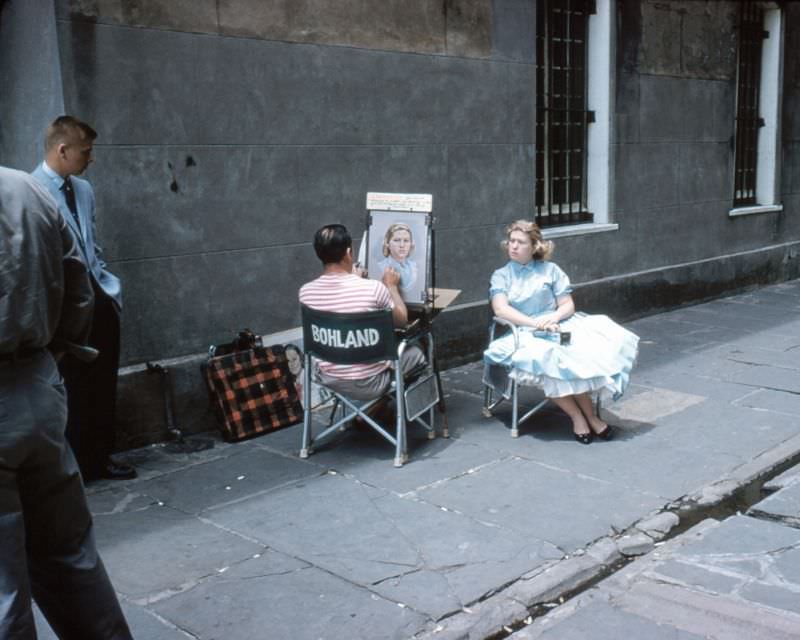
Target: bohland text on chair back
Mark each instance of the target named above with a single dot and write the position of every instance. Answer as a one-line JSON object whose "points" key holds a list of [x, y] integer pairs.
{"points": [[349, 338]]}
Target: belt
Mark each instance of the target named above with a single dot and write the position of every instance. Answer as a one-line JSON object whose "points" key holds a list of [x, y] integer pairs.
{"points": [[19, 354]]}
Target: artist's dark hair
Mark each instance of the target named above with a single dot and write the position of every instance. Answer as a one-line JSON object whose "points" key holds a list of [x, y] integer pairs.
{"points": [[67, 130], [331, 243]]}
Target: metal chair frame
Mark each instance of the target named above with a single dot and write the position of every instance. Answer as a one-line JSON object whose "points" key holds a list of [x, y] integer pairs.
{"points": [[512, 387], [350, 409]]}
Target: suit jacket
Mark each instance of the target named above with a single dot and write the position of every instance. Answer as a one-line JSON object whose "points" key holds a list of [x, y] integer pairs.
{"points": [[85, 236], [36, 306]]}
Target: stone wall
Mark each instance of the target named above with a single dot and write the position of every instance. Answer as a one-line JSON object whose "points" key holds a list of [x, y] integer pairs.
{"points": [[231, 129], [673, 147], [219, 155], [30, 80], [789, 225], [452, 27]]}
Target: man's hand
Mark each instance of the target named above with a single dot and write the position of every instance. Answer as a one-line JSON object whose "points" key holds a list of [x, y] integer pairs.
{"points": [[359, 271], [391, 278]]}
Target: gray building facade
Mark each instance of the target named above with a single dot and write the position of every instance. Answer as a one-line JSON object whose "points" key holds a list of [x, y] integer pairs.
{"points": [[229, 130]]}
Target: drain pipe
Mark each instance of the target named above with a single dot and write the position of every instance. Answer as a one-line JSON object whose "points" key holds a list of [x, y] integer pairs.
{"points": [[179, 444]]}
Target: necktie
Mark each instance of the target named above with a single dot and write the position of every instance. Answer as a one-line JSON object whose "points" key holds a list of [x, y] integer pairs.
{"points": [[69, 196]]}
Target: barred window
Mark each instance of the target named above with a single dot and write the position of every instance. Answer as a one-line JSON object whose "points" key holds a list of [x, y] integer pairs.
{"points": [[561, 111], [748, 121]]}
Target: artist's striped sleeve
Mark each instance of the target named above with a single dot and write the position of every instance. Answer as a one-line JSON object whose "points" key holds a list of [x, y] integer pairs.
{"points": [[347, 293]]}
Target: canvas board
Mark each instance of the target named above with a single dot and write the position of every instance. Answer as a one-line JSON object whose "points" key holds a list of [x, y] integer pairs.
{"points": [[401, 240]]}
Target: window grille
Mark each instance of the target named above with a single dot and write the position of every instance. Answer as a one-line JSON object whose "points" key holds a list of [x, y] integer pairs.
{"points": [[751, 37], [561, 113]]}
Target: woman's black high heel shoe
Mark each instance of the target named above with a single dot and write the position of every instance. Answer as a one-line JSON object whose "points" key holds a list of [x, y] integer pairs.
{"points": [[606, 434], [583, 438]]}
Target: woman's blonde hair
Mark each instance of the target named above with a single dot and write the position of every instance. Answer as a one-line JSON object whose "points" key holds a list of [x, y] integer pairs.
{"points": [[542, 249], [397, 226]]}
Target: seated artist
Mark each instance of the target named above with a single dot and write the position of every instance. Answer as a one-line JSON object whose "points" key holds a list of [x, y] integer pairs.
{"points": [[341, 289]]}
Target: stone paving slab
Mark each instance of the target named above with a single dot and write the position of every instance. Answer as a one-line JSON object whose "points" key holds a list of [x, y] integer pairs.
{"points": [[223, 480], [781, 341], [744, 475], [747, 432], [144, 624], [737, 318], [518, 495], [332, 521], [370, 459], [155, 551], [253, 600], [593, 617], [779, 402], [788, 300], [548, 440], [784, 504], [652, 403], [768, 377], [155, 460], [680, 380], [735, 579], [372, 537], [786, 478], [361, 450], [667, 337], [466, 378], [758, 357]]}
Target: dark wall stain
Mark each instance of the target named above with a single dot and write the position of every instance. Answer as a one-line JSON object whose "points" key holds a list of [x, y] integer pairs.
{"points": [[173, 185], [629, 34]]}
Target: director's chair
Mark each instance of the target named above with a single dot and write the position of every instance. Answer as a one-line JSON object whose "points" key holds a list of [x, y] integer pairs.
{"points": [[363, 338]]}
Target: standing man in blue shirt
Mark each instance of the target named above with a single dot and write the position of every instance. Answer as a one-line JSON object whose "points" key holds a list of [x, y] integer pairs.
{"points": [[91, 387]]}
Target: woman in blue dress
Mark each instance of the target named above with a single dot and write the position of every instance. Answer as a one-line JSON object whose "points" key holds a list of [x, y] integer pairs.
{"points": [[398, 245], [535, 294]]}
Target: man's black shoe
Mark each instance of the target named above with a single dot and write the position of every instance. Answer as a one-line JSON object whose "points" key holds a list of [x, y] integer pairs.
{"points": [[112, 471], [118, 471]]}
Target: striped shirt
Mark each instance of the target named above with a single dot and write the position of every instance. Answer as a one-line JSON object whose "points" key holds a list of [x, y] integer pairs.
{"points": [[347, 293]]}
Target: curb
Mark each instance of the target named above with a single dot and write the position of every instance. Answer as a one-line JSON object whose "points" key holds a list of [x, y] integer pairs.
{"points": [[550, 585]]}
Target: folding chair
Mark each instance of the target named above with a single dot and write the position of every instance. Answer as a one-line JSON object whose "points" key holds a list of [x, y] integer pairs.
{"points": [[362, 338], [497, 381]]}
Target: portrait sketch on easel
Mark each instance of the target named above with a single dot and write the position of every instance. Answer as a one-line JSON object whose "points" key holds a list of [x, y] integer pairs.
{"points": [[400, 240]]}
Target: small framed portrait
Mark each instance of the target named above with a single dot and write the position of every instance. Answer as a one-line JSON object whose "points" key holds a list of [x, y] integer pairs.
{"points": [[401, 240]]}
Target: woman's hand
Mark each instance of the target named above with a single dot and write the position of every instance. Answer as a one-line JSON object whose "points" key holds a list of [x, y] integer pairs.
{"points": [[546, 322]]}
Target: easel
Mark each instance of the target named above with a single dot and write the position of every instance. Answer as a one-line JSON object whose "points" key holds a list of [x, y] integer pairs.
{"points": [[426, 301]]}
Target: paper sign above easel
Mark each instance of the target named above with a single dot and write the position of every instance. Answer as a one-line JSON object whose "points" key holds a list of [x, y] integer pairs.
{"points": [[422, 202]]}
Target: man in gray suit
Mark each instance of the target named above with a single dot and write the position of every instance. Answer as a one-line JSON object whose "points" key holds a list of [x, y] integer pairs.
{"points": [[91, 387], [47, 546]]}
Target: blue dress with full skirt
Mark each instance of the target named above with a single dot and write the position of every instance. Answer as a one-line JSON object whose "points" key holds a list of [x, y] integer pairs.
{"points": [[599, 357]]}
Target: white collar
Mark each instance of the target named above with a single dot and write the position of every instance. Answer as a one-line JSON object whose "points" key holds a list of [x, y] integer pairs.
{"points": [[52, 174]]}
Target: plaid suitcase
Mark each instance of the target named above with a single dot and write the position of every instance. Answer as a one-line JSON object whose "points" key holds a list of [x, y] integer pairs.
{"points": [[253, 391]]}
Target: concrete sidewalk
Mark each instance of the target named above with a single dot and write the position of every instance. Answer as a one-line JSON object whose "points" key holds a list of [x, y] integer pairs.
{"points": [[247, 541], [738, 578]]}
